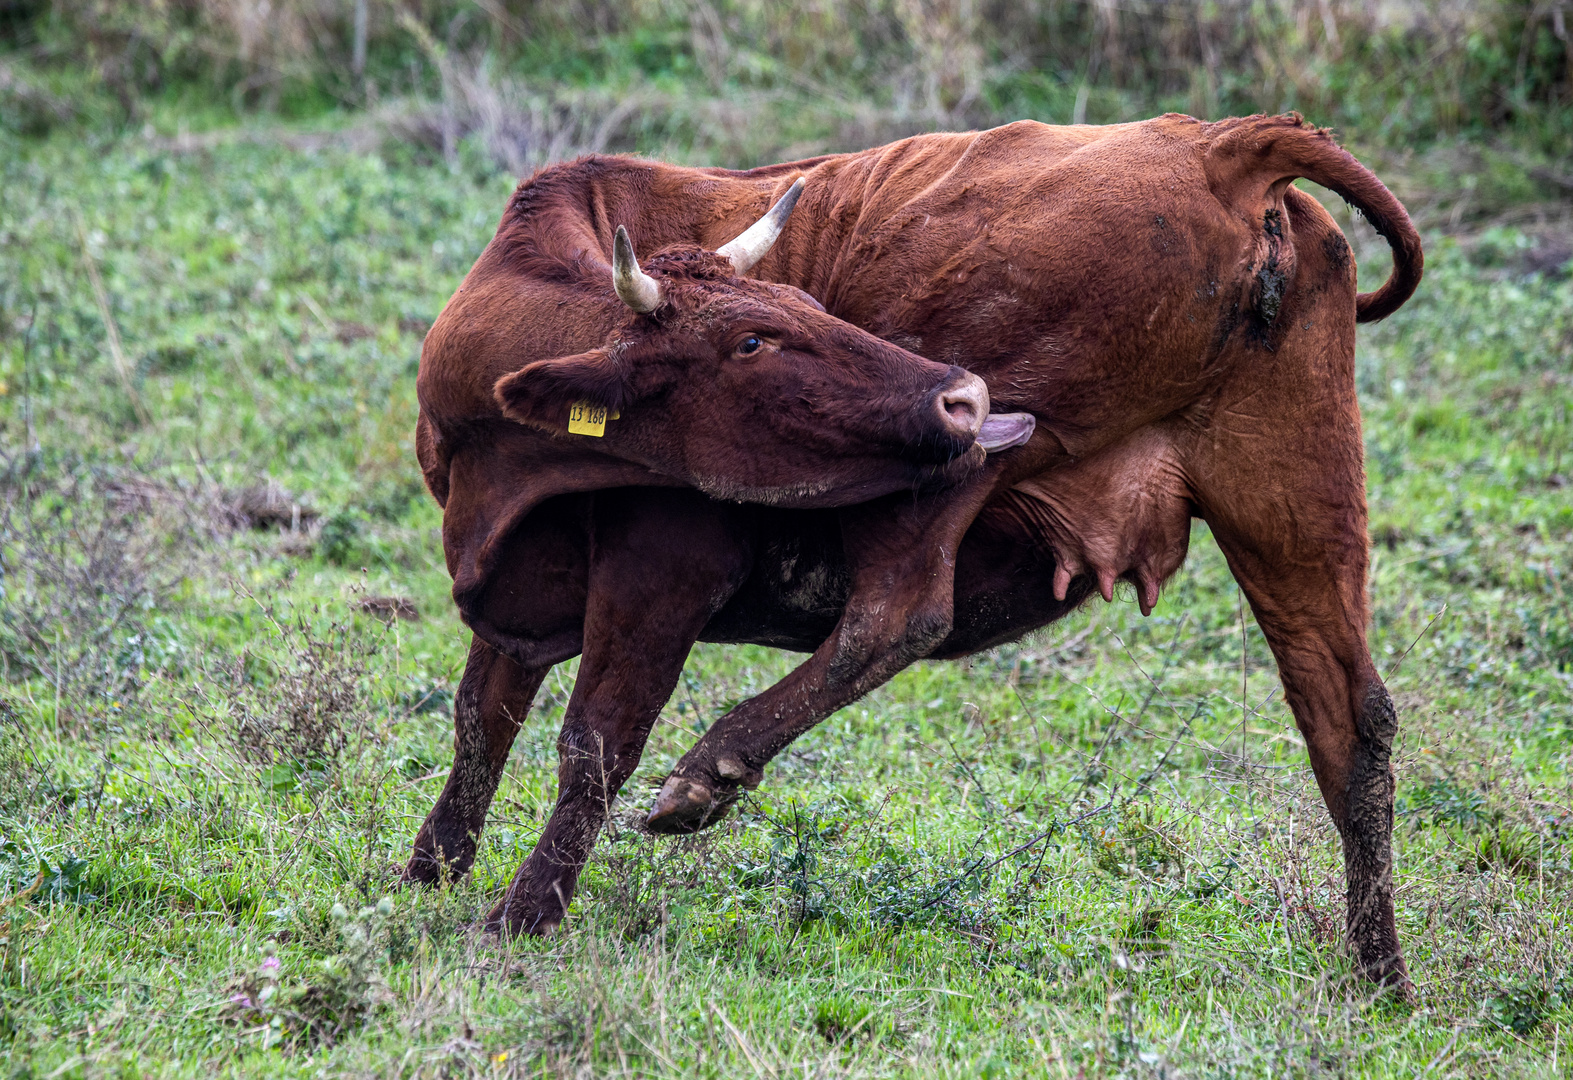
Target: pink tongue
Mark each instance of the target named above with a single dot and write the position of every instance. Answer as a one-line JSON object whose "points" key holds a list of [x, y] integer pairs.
{"points": [[1001, 431]]}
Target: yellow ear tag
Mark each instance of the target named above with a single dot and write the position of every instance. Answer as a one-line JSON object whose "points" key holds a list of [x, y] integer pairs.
{"points": [[585, 418]]}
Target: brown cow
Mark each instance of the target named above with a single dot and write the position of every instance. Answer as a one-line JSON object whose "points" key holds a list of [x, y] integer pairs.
{"points": [[1176, 315]]}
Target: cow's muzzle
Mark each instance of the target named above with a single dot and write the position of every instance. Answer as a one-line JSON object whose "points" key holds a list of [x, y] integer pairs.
{"points": [[962, 405], [946, 421], [955, 417]]}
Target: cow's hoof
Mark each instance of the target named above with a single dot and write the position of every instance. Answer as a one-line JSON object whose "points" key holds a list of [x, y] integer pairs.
{"points": [[685, 806], [423, 870], [535, 924], [429, 862], [1391, 977]]}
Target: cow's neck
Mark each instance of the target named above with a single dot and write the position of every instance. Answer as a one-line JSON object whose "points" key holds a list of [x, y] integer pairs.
{"points": [[812, 252], [667, 204]]}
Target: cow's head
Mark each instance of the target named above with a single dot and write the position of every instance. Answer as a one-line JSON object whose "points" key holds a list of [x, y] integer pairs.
{"points": [[749, 390]]}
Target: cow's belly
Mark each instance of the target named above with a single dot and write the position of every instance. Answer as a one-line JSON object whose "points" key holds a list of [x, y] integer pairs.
{"points": [[799, 584], [1034, 553]]}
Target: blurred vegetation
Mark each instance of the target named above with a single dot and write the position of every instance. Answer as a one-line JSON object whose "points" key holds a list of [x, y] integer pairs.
{"points": [[1398, 73]]}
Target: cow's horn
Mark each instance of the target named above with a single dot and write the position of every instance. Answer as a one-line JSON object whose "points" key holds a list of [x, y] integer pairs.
{"points": [[751, 245], [636, 288]]}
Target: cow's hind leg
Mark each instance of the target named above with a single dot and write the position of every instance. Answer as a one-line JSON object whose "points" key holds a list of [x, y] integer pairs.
{"points": [[1279, 478], [1312, 614], [663, 563]]}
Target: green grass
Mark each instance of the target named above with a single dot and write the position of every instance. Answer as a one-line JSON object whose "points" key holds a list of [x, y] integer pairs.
{"points": [[1099, 852]]}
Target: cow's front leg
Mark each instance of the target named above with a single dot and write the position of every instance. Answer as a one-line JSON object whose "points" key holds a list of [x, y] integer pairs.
{"points": [[530, 618], [663, 563], [902, 554], [493, 697]]}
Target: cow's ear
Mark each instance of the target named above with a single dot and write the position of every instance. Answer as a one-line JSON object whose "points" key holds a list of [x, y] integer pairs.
{"points": [[540, 394]]}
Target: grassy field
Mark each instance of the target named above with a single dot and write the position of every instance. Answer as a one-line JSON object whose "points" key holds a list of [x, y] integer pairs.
{"points": [[1096, 853]]}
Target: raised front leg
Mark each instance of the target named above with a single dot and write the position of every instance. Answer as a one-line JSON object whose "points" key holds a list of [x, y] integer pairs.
{"points": [[494, 695], [662, 564], [902, 556]]}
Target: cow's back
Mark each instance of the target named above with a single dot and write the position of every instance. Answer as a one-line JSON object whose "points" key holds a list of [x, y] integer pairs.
{"points": [[1089, 274]]}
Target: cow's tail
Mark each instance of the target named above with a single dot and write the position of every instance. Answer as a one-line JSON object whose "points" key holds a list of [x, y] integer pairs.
{"points": [[1264, 151]]}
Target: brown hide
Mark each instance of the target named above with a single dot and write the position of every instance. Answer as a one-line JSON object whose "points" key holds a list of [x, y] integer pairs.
{"points": [[1179, 319]]}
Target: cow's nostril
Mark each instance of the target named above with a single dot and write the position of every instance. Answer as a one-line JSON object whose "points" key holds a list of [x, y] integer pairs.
{"points": [[965, 405]]}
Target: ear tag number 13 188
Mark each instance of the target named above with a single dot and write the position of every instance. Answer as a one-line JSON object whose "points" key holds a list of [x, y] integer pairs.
{"points": [[586, 418]]}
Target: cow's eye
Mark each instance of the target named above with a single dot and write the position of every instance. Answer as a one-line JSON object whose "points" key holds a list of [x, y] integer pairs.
{"points": [[749, 346]]}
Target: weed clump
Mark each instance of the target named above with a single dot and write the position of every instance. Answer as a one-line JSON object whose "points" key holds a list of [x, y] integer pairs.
{"points": [[337, 998], [89, 560], [18, 771], [294, 710], [1523, 1006], [269, 505], [843, 1018], [340, 541], [1136, 846]]}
